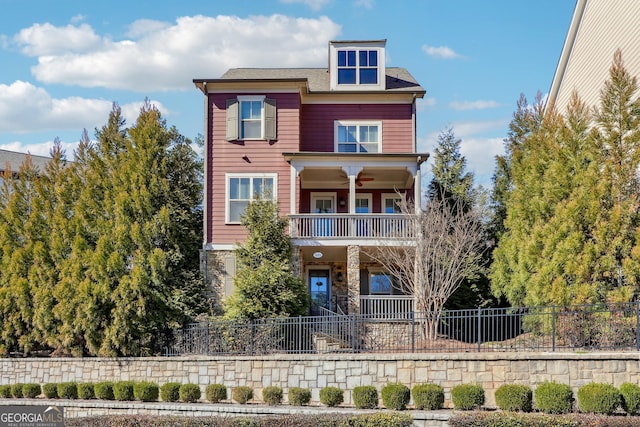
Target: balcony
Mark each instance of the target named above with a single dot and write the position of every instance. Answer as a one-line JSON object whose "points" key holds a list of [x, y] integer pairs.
{"points": [[387, 306], [373, 227]]}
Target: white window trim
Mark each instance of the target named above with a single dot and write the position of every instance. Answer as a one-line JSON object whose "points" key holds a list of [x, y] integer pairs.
{"points": [[386, 196], [337, 123], [368, 197], [227, 178], [323, 195], [249, 98], [379, 47]]}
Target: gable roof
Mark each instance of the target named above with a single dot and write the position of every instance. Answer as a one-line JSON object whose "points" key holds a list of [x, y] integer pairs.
{"points": [[317, 79], [598, 28]]}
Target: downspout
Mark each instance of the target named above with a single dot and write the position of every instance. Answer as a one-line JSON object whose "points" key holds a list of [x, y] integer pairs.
{"points": [[205, 200]]}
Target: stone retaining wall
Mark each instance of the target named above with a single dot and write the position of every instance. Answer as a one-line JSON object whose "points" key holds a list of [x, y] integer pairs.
{"points": [[346, 371]]}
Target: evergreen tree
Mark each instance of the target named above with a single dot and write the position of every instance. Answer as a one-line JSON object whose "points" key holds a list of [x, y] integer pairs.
{"points": [[265, 286], [573, 210]]}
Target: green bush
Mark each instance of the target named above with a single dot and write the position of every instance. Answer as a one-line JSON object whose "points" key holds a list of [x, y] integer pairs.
{"points": [[598, 398], [86, 391], [331, 396], [216, 393], [467, 397], [553, 398], [514, 397], [190, 393], [50, 390], [104, 390], [123, 390], [272, 395], [145, 391], [630, 398], [170, 392], [16, 390], [5, 391], [68, 390], [242, 394], [379, 419], [395, 396], [428, 396], [365, 397], [299, 396], [31, 390]]}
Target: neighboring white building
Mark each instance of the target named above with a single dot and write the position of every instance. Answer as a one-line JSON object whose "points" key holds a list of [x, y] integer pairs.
{"points": [[11, 160], [598, 28]]}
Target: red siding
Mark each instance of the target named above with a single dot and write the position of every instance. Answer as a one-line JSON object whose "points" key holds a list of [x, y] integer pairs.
{"points": [[317, 132], [263, 156]]}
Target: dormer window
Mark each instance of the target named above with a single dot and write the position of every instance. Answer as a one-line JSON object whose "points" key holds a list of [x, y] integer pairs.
{"points": [[357, 65]]}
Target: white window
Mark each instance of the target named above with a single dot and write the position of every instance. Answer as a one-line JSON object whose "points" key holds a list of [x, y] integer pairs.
{"points": [[243, 188], [357, 137], [251, 117], [391, 203], [363, 203], [357, 67]]}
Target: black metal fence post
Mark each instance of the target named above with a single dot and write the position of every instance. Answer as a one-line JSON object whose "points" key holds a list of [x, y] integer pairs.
{"points": [[252, 332], [479, 328], [553, 328]]}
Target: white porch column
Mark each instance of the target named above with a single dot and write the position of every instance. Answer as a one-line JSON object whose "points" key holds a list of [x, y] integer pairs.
{"points": [[417, 190], [293, 174], [352, 194]]}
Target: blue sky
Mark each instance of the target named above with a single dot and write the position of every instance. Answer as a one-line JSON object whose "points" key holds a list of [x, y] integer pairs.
{"points": [[63, 63]]}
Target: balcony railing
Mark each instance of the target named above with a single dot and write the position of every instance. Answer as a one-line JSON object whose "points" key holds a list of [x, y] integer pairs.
{"points": [[351, 226]]}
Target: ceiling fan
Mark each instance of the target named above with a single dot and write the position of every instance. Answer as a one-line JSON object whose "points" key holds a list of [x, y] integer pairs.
{"points": [[360, 179]]}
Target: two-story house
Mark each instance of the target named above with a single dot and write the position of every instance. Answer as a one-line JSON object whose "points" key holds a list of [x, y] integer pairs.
{"points": [[336, 147]]}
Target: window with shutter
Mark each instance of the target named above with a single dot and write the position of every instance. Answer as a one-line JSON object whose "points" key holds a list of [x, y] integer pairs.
{"points": [[251, 117]]}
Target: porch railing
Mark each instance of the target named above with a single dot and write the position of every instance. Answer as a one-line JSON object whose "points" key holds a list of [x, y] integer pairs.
{"points": [[358, 226], [386, 305]]}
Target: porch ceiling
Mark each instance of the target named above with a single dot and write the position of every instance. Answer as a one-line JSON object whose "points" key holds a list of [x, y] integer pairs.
{"points": [[313, 177], [329, 254]]}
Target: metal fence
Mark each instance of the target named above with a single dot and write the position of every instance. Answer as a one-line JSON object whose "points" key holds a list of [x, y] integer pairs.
{"points": [[590, 328]]}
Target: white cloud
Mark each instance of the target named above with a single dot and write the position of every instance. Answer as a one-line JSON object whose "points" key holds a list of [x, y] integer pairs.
{"points": [[422, 103], [313, 4], [440, 52], [27, 108], [48, 41], [40, 149], [159, 56], [473, 105], [367, 4]]}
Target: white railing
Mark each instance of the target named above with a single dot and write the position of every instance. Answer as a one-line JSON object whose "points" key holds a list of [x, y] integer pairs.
{"points": [[384, 305], [359, 226]]}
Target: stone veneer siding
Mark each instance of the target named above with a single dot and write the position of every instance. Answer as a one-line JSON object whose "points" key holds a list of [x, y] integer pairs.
{"points": [[346, 371]]}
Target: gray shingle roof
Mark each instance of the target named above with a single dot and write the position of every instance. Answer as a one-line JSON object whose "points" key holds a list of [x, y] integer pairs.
{"points": [[398, 79]]}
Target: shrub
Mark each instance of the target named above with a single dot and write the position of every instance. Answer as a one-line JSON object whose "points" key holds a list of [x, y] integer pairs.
{"points": [[514, 397], [242, 394], [68, 390], [365, 397], [428, 396], [467, 396], [598, 398], [146, 391], [86, 391], [299, 396], [170, 392], [50, 390], [123, 390], [31, 390], [630, 398], [331, 396], [395, 396], [16, 390], [189, 393], [216, 393], [104, 390], [5, 391], [272, 395], [553, 398]]}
